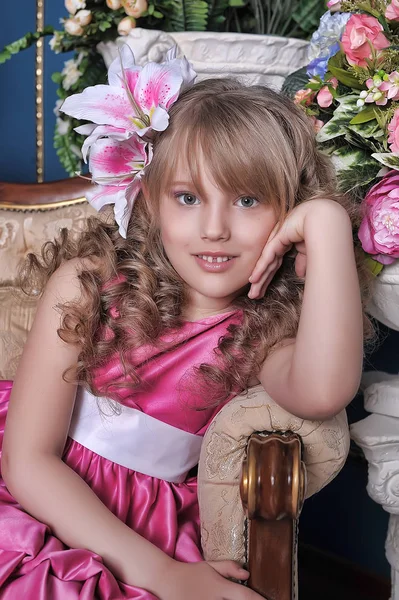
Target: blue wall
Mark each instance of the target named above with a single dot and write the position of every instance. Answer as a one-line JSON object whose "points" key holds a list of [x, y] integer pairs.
{"points": [[342, 518], [17, 95]]}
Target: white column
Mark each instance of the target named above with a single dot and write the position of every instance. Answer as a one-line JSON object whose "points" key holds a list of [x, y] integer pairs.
{"points": [[378, 436]]}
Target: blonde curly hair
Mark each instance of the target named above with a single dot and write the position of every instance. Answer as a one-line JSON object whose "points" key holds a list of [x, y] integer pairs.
{"points": [[254, 140]]}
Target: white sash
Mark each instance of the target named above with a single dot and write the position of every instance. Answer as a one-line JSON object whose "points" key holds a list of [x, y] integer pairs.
{"points": [[133, 439]]}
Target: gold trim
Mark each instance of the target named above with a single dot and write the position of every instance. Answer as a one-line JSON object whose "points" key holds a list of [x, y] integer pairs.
{"points": [[42, 207], [39, 93]]}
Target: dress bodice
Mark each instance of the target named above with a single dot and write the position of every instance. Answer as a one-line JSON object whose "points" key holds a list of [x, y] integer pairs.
{"points": [[171, 391]]}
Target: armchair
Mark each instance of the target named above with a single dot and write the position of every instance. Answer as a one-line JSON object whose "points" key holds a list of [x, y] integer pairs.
{"points": [[252, 474]]}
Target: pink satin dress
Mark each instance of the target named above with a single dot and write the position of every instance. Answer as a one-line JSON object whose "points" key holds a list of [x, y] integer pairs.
{"points": [[35, 565]]}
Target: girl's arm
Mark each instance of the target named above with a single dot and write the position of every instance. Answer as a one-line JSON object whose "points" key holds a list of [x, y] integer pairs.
{"points": [[317, 374], [37, 425]]}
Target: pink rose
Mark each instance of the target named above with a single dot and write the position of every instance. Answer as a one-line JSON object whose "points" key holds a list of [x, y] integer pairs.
{"points": [[361, 31], [304, 97], [392, 11], [325, 97], [393, 128], [379, 229]]}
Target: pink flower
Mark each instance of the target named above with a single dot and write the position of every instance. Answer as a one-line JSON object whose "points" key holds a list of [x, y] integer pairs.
{"points": [[304, 97], [392, 11], [361, 32], [325, 97], [375, 92], [391, 86], [393, 128], [317, 124], [334, 5], [379, 229]]}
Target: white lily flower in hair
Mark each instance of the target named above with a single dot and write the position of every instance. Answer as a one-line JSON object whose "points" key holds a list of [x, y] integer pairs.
{"points": [[137, 98]]}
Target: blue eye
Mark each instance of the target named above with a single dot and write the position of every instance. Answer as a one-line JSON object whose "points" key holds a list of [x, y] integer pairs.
{"points": [[248, 201], [187, 199]]}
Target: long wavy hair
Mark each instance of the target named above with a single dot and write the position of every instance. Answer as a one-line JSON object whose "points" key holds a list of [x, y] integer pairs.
{"points": [[255, 141]]}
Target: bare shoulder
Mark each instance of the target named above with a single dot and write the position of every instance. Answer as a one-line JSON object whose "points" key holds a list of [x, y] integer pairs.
{"points": [[64, 284]]}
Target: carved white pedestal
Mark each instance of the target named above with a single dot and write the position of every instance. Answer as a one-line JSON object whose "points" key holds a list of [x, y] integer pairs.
{"points": [[255, 59], [378, 434]]}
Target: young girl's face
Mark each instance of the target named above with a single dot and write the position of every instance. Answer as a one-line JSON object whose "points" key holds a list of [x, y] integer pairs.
{"points": [[198, 224]]}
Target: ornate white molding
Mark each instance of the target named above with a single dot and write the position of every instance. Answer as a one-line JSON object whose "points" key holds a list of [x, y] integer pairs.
{"points": [[256, 59], [378, 436]]}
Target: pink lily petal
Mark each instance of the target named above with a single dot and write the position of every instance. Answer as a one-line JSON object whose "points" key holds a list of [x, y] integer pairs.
{"points": [[158, 85], [86, 129], [187, 72], [159, 121], [101, 104], [114, 161], [101, 195], [171, 53], [125, 58], [115, 133], [123, 207]]}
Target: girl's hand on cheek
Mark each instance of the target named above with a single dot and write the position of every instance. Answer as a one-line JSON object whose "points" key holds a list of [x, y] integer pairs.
{"points": [[281, 240], [206, 580]]}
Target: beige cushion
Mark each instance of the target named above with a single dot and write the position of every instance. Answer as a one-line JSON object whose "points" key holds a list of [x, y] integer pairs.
{"points": [[326, 445], [22, 232]]}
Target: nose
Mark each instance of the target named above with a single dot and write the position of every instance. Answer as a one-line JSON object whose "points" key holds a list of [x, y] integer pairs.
{"points": [[215, 223]]}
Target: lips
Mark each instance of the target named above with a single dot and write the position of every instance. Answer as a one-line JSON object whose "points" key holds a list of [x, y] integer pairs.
{"points": [[215, 264]]}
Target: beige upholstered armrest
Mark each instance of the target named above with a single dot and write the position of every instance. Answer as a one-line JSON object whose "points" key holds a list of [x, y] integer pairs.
{"points": [[325, 448]]}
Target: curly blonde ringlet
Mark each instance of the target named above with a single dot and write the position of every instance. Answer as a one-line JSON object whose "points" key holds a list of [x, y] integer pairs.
{"points": [[255, 142]]}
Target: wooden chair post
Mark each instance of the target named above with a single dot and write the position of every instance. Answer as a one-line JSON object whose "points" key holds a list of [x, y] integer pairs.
{"points": [[272, 492]]}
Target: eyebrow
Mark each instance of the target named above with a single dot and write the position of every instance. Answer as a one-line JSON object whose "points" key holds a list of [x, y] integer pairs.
{"points": [[182, 183]]}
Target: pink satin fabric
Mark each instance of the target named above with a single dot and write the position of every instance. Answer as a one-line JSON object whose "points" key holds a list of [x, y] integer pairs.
{"points": [[35, 565]]}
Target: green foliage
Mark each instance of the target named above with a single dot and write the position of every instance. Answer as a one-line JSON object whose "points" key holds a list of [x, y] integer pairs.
{"points": [[24, 42], [185, 15], [356, 170], [307, 15], [294, 82], [68, 147]]}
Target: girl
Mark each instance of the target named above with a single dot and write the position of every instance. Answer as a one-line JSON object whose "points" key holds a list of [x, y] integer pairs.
{"points": [[195, 294]]}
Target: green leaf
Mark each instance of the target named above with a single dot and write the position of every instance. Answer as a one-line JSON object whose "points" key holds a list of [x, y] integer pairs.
{"points": [[367, 129], [356, 169], [345, 77], [374, 266], [367, 114], [388, 159], [307, 14], [56, 77], [186, 15], [338, 124], [24, 42], [104, 25], [237, 3], [294, 82]]}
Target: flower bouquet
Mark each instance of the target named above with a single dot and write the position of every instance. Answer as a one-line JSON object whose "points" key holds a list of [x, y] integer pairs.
{"points": [[352, 95]]}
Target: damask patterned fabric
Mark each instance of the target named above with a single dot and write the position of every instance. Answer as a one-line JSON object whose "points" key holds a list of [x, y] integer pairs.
{"points": [[325, 448], [22, 232]]}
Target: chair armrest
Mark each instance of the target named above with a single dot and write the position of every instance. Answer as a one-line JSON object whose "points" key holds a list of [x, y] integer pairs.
{"points": [[224, 524]]}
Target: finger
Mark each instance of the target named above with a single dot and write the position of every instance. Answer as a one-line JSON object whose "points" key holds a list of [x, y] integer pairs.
{"points": [[257, 290], [277, 248], [229, 568], [300, 265]]}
